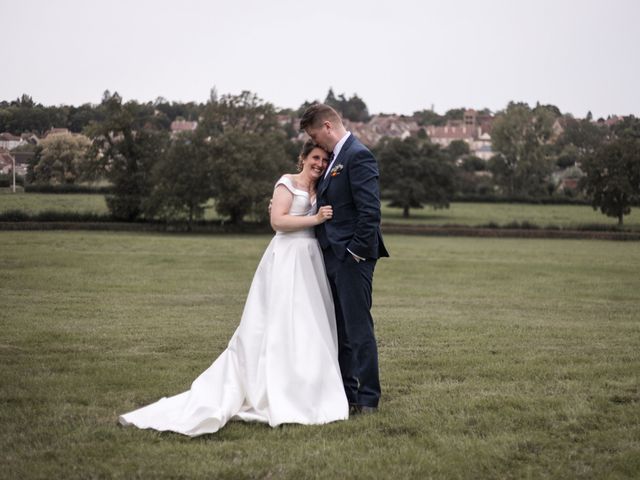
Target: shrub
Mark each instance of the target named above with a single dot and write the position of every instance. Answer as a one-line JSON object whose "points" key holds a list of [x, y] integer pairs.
{"points": [[6, 180]]}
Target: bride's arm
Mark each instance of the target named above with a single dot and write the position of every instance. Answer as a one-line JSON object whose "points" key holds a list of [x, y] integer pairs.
{"points": [[281, 221]]}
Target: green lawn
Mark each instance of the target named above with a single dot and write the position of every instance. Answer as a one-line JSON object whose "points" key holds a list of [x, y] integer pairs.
{"points": [[474, 214], [471, 214], [32, 203], [499, 358]]}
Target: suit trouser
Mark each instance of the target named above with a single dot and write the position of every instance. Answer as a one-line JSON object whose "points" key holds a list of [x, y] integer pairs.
{"points": [[351, 285]]}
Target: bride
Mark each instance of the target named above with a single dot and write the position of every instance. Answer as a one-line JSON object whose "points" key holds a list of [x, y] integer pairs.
{"points": [[281, 364]]}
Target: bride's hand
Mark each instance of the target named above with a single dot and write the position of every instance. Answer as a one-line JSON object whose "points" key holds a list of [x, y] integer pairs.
{"points": [[324, 213]]}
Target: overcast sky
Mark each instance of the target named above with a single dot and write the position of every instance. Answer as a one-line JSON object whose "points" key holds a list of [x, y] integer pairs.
{"points": [[398, 55]]}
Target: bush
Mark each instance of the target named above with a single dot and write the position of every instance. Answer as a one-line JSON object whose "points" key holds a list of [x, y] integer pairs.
{"points": [[6, 180], [124, 207], [525, 225], [14, 216]]}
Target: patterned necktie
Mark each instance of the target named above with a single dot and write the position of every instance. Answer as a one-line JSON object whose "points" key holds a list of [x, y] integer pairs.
{"points": [[331, 159]]}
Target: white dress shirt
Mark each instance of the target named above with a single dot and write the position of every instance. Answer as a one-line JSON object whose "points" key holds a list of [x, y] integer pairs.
{"points": [[336, 152]]}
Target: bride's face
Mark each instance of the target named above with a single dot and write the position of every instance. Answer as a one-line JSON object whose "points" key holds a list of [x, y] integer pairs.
{"points": [[315, 163]]}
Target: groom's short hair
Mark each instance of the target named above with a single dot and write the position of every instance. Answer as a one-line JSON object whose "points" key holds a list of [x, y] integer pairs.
{"points": [[318, 113]]}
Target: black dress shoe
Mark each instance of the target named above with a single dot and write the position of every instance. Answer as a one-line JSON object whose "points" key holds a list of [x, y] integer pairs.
{"points": [[354, 409]]}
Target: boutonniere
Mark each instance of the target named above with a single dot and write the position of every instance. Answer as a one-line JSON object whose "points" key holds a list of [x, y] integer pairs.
{"points": [[335, 171]]}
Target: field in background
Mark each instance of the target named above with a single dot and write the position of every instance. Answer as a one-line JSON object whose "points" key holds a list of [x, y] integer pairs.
{"points": [[468, 214], [499, 359], [33, 203], [479, 214]]}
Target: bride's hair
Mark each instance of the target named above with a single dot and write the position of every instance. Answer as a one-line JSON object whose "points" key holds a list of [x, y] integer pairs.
{"points": [[305, 151]]}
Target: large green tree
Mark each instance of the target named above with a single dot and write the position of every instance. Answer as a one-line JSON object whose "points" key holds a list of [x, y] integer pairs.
{"points": [[612, 172], [246, 166], [239, 113], [457, 150], [126, 145], [247, 150], [352, 108], [62, 158], [521, 136], [182, 181], [580, 138], [428, 117], [175, 110], [414, 173]]}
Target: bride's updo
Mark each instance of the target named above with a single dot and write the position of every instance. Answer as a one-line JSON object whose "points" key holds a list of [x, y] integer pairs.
{"points": [[305, 151]]}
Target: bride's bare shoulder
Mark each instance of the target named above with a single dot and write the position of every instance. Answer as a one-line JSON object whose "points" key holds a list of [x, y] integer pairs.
{"points": [[294, 178]]}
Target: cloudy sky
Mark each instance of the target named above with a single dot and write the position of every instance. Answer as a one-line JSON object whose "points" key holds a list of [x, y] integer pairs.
{"points": [[398, 55]]}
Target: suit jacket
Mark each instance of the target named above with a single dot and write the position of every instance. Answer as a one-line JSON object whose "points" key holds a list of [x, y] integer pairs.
{"points": [[351, 188]]}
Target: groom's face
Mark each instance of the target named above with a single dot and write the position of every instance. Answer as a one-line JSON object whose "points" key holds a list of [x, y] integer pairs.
{"points": [[321, 135]]}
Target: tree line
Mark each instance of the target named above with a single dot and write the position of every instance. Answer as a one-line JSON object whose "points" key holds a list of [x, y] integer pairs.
{"points": [[233, 156], [25, 115], [529, 148], [241, 145]]}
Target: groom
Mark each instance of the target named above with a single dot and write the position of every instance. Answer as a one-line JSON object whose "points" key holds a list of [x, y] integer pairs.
{"points": [[351, 243]]}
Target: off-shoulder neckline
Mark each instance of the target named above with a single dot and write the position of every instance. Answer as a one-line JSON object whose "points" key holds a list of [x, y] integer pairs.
{"points": [[292, 184], [286, 179]]}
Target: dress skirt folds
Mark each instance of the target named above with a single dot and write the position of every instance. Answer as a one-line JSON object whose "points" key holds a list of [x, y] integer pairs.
{"points": [[281, 365]]}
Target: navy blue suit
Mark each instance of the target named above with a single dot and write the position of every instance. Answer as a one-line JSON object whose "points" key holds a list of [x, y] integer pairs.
{"points": [[351, 188]]}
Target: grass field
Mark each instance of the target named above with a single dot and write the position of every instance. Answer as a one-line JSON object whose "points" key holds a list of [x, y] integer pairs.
{"points": [[32, 203], [477, 214], [468, 214], [499, 359]]}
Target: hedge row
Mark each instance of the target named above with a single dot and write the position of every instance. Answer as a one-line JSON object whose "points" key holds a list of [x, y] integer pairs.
{"points": [[259, 228], [82, 217], [6, 181]]}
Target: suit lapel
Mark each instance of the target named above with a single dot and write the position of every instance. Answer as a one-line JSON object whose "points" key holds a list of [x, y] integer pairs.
{"points": [[324, 183], [343, 151]]}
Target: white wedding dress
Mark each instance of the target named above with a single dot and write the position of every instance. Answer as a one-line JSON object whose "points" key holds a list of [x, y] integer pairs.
{"points": [[281, 365]]}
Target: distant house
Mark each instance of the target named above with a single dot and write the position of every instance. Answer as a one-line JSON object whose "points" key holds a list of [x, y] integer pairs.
{"points": [[283, 119], [481, 147], [31, 138], [474, 129], [22, 161], [557, 129], [9, 141], [56, 131], [6, 162], [370, 133], [59, 132], [179, 126], [568, 179], [445, 134], [395, 126]]}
